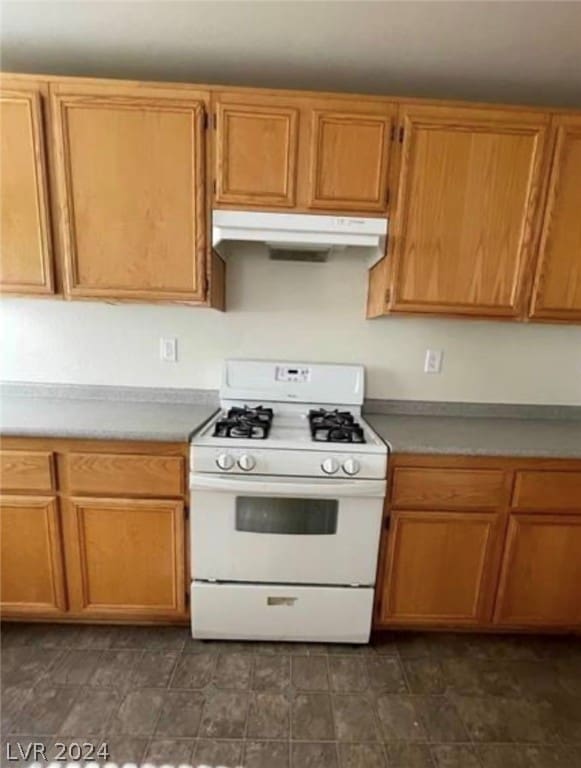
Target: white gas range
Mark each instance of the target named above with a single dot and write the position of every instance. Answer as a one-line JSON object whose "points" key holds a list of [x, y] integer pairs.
{"points": [[287, 485]]}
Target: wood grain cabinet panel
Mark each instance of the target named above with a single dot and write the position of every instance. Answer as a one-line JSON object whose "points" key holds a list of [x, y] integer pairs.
{"points": [[130, 173], [125, 557], [447, 488], [119, 474], [256, 154], [31, 569], [302, 152], [349, 159], [547, 491], [557, 290], [541, 574], [466, 209], [440, 568], [26, 471], [25, 238]]}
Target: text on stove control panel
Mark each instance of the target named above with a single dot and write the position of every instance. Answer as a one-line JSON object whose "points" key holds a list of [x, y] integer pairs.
{"points": [[293, 374]]}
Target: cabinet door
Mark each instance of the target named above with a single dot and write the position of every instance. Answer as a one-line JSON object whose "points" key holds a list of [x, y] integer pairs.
{"points": [[541, 574], [349, 157], [256, 153], [467, 199], [125, 557], [131, 186], [31, 571], [25, 242], [440, 568], [557, 290]]}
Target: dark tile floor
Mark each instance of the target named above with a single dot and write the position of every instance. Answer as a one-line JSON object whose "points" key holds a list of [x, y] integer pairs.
{"points": [[157, 697]]}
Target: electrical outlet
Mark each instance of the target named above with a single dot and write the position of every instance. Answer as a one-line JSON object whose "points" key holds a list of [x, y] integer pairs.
{"points": [[433, 361], [168, 350]]}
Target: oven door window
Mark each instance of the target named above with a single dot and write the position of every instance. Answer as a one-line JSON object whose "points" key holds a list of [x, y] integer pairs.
{"points": [[302, 517]]}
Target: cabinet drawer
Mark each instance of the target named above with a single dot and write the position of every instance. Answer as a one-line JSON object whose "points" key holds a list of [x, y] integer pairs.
{"points": [[115, 473], [26, 471], [275, 612], [424, 488], [547, 491]]}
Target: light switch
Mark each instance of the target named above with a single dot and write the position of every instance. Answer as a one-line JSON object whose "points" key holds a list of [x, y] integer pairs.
{"points": [[168, 350], [433, 361]]}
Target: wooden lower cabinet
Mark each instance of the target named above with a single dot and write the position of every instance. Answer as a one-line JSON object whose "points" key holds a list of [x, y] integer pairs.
{"points": [[541, 572], [484, 542], [441, 567], [31, 570], [125, 557], [93, 530]]}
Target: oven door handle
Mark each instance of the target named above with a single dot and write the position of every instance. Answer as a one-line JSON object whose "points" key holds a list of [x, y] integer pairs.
{"points": [[300, 486]]}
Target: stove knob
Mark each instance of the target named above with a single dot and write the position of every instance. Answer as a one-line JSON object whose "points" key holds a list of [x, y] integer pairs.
{"points": [[351, 466], [225, 461], [246, 462], [330, 466]]}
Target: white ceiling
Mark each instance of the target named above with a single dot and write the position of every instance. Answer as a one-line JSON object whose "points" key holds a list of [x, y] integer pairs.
{"points": [[526, 52]]}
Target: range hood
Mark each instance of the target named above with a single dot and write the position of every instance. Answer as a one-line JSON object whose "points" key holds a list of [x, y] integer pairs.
{"points": [[299, 231]]}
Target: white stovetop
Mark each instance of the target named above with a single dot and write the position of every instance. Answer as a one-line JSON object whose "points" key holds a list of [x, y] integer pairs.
{"points": [[290, 430]]}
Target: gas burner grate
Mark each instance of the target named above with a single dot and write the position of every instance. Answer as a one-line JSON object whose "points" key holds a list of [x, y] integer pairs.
{"points": [[245, 423], [335, 427]]}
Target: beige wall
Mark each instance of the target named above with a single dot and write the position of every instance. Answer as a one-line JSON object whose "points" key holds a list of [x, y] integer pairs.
{"points": [[494, 51], [290, 311]]}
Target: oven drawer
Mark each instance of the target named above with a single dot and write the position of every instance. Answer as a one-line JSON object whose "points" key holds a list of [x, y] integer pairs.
{"points": [[267, 612]]}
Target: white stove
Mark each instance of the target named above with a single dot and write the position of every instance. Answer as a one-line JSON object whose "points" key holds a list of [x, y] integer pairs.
{"points": [[288, 483]]}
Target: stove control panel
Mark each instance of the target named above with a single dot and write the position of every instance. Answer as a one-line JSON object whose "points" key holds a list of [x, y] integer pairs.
{"points": [[295, 374], [249, 460]]}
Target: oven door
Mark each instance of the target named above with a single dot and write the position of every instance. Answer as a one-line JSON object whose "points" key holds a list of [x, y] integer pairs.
{"points": [[290, 531]]}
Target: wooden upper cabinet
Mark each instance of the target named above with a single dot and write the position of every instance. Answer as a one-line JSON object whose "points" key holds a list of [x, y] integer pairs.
{"points": [[130, 165], [557, 290], [349, 157], [256, 154], [301, 152], [466, 209], [25, 239]]}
